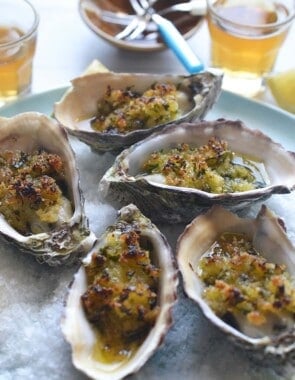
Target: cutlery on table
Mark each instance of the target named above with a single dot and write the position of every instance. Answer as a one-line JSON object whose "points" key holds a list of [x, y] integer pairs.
{"points": [[170, 34], [138, 24], [194, 7]]}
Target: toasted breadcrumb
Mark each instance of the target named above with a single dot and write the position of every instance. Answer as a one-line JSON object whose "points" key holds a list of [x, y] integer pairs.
{"points": [[210, 168], [121, 299], [239, 280], [29, 190], [122, 111]]}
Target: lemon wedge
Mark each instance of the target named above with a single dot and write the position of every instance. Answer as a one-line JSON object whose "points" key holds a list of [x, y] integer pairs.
{"points": [[282, 87], [95, 67]]}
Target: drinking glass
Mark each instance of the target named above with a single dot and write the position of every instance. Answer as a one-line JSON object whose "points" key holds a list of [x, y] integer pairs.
{"points": [[246, 36], [18, 33]]}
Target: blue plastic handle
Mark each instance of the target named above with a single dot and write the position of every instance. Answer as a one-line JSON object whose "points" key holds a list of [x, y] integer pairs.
{"points": [[176, 42]]}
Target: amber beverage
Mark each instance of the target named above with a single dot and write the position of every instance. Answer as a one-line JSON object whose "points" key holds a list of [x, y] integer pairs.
{"points": [[245, 40], [18, 33]]}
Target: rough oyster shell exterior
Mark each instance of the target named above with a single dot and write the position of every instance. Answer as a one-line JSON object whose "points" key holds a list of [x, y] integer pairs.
{"points": [[65, 242], [123, 182], [81, 335], [81, 103], [268, 234]]}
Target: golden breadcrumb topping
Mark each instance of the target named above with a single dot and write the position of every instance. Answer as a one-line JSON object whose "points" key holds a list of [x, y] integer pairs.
{"points": [[239, 280], [122, 111], [121, 300], [211, 168], [29, 190]]}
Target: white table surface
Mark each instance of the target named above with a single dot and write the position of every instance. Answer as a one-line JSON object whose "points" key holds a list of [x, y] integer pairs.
{"points": [[66, 47]]}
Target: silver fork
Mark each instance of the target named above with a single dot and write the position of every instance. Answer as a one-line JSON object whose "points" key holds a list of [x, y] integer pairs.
{"points": [[194, 7], [141, 6], [138, 24], [132, 30], [171, 35]]}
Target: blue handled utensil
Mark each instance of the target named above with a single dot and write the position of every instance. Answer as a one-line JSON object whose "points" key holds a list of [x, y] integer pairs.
{"points": [[176, 42], [170, 34]]}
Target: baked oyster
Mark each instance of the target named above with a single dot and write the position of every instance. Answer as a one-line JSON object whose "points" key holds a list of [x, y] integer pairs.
{"points": [[41, 204], [119, 304], [240, 271], [242, 153], [111, 111]]}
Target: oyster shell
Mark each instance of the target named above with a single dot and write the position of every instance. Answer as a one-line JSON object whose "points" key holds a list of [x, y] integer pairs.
{"points": [[125, 182], [84, 340], [276, 337], [197, 94], [69, 236]]}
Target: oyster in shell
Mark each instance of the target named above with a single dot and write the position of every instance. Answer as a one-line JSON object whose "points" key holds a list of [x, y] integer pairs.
{"points": [[126, 181], [41, 202], [122, 335], [196, 94], [255, 315]]}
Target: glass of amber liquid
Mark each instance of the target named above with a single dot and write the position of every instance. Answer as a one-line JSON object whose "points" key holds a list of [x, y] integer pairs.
{"points": [[18, 33], [246, 36]]}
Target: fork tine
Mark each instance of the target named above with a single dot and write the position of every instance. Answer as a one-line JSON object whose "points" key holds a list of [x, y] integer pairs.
{"points": [[144, 4], [147, 4], [138, 30], [138, 25], [115, 18], [128, 30], [119, 18], [137, 7]]}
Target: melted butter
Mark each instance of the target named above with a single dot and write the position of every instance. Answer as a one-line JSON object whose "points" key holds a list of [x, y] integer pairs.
{"points": [[116, 353]]}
